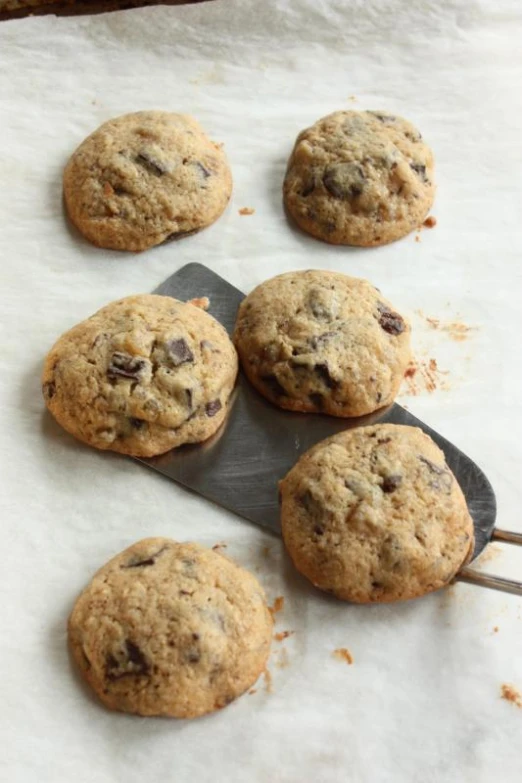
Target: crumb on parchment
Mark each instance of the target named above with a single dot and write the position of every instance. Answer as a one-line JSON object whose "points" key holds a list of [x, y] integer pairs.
{"points": [[430, 221], [203, 302], [343, 654], [279, 603], [246, 211], [219, 545], [279, 637], [510, 693]]}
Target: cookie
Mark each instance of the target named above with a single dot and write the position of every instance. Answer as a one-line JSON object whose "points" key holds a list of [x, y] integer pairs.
{"points": [[143, 375], [170, 629], [145, 178], [323, 342], [374, 514], [359, 178]]}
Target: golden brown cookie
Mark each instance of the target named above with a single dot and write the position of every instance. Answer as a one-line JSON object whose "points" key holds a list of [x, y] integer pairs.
{"points": [[359, 178], [374, 514], [318, 341], [144, 178], [170, 629], [141, 376]]}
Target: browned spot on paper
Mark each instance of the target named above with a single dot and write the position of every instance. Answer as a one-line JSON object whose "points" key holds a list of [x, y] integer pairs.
{"points": [[278, 605], [246, 211], [352, 98], [491, 552], [495, 629], [266, 551], [268, 681], [219, 545], [282, 660], [430, 222], [456, 330], [279, 637], [425, 376], [510, 693], [343, 654], [252, 691]]}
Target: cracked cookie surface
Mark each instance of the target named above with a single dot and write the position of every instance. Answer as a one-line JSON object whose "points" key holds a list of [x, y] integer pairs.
{"points": [[167, 628], [374, 514], [141, 376], [359, 178], [322, 342], [144, 178]]}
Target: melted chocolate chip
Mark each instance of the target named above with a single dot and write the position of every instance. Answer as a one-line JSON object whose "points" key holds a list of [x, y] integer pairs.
{"points": [[179, 235], [323, 372], [381, 441], [179, 351], [211, 408], [137, 424], [319, 531], [442, 478], [151, 164], [273, 385], [202, 170], [123, 365], [149, 561], [188, 394], [49, 390], [317, 400], [420, 170], [132, 663], [387, 119], [307, 189], [391, 483], [344, 181], [391, 322]]}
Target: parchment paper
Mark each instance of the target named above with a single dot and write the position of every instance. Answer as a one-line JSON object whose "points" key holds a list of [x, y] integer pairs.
{"points": [[422, 699]]}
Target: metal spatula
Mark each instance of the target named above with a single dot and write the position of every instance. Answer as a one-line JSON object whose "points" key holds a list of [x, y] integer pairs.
{"points": [[240, 466]]}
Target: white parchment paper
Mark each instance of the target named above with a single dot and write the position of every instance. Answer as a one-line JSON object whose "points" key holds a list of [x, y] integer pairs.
{"points": [[422, 700]]}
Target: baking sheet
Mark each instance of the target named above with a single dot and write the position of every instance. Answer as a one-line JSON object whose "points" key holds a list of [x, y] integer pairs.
{"points": [[422, 699]]}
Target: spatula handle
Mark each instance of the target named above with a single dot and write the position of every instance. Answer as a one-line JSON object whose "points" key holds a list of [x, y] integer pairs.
{"points": [[480, 579]]}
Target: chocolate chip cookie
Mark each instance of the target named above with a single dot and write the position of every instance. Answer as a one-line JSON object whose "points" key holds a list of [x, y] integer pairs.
{"points": [[170, 629], [359, 178], [145, 178], [374, 514], [141, 376], [322, 342]]}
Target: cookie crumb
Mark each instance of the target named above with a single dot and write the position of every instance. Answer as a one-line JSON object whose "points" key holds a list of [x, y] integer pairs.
{"points": [[417, 238], [456, 330], [252, 691], [268, 681], [283, 635], [203, 302], [343, 654], [352, 98], [219, 545], [495, 629], [246, 211], [278, 605], [410, 371], [510, 693], [430, 222]]}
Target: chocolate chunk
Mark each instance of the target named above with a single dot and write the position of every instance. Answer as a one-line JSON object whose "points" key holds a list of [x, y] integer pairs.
{"points": [[179, 351], [442, 478], [318, 341], [310, 505], [323, 372], [123, 365], [188, 394], [387, 119], [273, 386], [381, 441], [149, 561], [131, 662], [195, 636], [137, 424], [344, 181], [317, 400], [203, 171], [307, 189], [391, 483], [49, 390], [152, 164], [186, 592], [391, 322], [319, 531], [211, 408], [179, 235], [420, 170]]}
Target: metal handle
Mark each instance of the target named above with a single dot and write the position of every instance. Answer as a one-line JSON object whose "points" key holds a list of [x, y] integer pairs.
{"points": [[473, 577]]}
